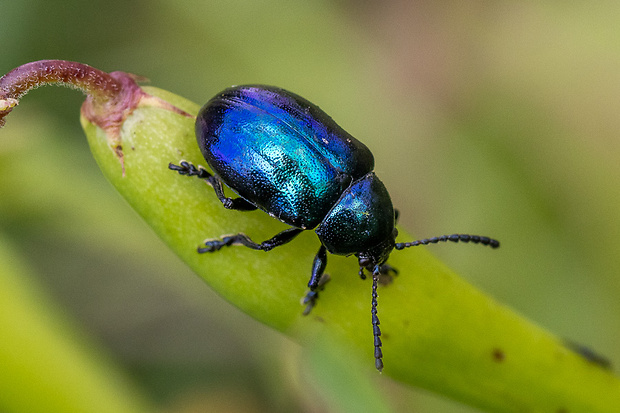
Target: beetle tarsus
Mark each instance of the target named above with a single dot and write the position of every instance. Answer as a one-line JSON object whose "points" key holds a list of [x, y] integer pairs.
{"points": [[213, 245], [189, 169], [309, 300]]}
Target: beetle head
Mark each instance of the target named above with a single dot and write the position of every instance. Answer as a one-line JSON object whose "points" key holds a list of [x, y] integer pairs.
{"points": [[378, 254]]}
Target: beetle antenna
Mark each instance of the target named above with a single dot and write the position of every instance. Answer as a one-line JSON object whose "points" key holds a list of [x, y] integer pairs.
{"points": [[476, 239], [376, 330]]}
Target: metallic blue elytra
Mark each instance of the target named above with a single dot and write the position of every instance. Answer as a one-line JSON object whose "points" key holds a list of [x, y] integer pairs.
{"points": [[280, 152], [283, 155]]}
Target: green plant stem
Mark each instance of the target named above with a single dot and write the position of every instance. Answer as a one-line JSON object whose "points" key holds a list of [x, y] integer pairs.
{"points": [[439, 332]]}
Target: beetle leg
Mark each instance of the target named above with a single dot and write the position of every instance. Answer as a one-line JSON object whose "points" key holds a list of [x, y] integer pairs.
{"points": [[238, 204], [189, 169], [318, 267], [280, 238], [386, 272], [361, 273], [241, 239], [317, 280]]}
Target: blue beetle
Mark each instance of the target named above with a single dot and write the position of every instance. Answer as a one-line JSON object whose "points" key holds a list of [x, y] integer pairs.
{"points": [[283, 155]]}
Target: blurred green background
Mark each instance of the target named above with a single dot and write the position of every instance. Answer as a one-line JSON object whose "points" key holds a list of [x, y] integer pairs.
{"points": [[496, 118]]}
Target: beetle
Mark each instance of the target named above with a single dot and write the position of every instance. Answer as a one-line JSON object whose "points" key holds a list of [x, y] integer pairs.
{"points": [[282, 154]]}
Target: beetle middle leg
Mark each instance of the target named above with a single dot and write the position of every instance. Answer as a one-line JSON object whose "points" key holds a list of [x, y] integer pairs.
{"points": [[189, 169], [317, 280], [280, 238]]}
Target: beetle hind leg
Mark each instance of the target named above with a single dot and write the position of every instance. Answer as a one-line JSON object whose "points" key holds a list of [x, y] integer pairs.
{"points": [[189, 169]]}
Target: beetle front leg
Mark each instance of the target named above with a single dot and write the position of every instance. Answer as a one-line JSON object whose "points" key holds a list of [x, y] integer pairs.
{"points": [[317, 280], [189, 169], [241, 239]]}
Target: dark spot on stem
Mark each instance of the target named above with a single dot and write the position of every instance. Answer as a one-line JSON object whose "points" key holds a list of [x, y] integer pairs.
{"points": [[498, 355]]}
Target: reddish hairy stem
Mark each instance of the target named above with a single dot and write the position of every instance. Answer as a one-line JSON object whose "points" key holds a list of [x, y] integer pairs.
{"points": [[94, 82], [110, 96]]}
